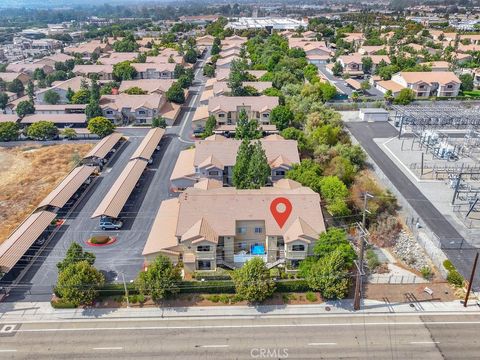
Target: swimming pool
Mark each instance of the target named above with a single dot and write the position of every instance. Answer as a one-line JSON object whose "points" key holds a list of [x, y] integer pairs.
{"points": [[257, 249]]}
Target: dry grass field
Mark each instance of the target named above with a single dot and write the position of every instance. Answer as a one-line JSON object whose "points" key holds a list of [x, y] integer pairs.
{"points": [[28, 174]]}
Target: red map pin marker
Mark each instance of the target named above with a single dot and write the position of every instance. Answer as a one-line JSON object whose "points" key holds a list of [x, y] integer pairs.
{"points": [[281, 208]]}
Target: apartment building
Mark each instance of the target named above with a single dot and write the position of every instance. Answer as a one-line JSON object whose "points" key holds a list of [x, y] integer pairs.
{"points": [[215, 157], [61, 88], [104, 72], [227, 108], [209, 226], [426, 84], [353, 64], [123, 108], [151, 86], [154, 70], [86, 50], [206, 40]]}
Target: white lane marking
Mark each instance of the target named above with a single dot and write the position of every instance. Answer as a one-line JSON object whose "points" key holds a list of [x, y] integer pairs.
{"points": [[425, 342], [250, 326], [108, 348], [214, 346], [321, 344], [235, 317], [8, 350]]}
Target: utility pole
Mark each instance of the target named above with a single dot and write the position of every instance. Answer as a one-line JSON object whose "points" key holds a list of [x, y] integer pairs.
{"points": [[471, 280], [126, 290], [358, 277]]}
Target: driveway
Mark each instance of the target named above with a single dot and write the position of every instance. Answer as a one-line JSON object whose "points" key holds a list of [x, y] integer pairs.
{"points": [[125, 255], [365, 132]]}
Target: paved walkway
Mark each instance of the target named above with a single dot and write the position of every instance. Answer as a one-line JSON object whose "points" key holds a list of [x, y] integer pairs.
{"points": [[42, 311]]}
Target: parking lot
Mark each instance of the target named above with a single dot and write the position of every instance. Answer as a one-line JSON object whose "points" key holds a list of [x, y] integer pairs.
{"points": [[125, 255]]}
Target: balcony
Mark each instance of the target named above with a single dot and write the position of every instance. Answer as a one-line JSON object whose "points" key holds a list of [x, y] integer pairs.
{"points": [[205, 255], [295, 255]]}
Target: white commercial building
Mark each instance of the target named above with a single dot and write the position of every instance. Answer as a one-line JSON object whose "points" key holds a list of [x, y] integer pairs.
{"points": [[267, 22]]}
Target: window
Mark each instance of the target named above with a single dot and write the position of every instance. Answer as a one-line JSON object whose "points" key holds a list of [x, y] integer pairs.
{"points": [[280, 172], [265, 115], [221, 115], [204, 265], [109, 112], [141, 121], [298, 247], [213, 173], [203, 248], [258, 230], [141, 112], [449, 86], [242, 230]]}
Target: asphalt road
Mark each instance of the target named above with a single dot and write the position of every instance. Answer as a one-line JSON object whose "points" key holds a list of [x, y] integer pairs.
{"points": [[341, 85], [365, 132], [323, 337], [124, 256]]}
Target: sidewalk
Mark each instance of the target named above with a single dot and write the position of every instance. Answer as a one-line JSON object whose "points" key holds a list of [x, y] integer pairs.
{"points": [[43, 312]]}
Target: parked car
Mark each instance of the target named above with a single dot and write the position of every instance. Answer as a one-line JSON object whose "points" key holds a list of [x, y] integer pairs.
{"points": [[110, 224]]}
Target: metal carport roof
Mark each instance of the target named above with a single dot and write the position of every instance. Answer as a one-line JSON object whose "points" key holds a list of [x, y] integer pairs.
{"points": [[104, 146], [15, 246], [116, 198], [148, 144], [69, 185]]}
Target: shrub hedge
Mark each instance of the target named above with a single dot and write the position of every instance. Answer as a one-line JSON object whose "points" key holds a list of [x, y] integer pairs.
{"points": [[61, 304]]}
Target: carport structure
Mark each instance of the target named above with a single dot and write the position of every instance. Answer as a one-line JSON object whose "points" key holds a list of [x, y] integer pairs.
{"points": [[115, 200], [355, 84], [149, 144], [68, 187], [102, 148], [18, 243]]}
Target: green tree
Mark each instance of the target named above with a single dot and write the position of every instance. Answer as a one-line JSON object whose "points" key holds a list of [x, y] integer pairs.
{"points": [[307, 173], [39, 74], [100, 126], [51, 97], [3, 100], [160, 280], [94, 91], [335, 193], [388, 96], [341, 167], [281, 116], [25, 107], [93, 109], [253, 282], [127, 44], [159, 122], [9, 131], [75, 254], [124, 71], [210, 125], [82, 96], [69, 95], [215, 49], [69, 133], [335, 239], [337, 69], [190, 56], [258, 168], [246, 129], [329, 276], [208, 71], [42, 130], [303, 143], [240, 178], [135, 91], [15, 86], [467, 82], [30, 90], [365, 85], [367, 64], [176, 94], [405, 97], [78, 283]]}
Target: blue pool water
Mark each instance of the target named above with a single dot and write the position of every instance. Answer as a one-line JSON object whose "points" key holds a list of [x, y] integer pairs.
{"points": [[257, 250]]}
